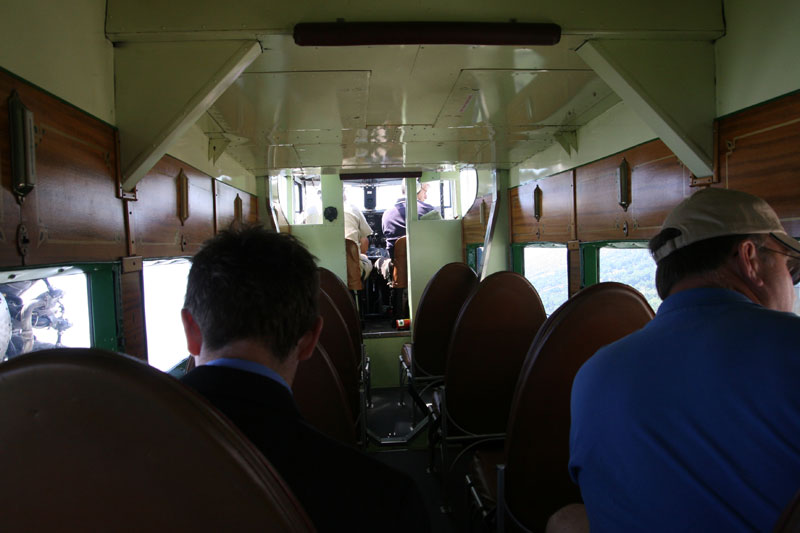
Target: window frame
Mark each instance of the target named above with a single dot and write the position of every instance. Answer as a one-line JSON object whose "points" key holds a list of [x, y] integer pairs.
{"points": [[155, 261], [103, 292], [518, 257], [590, 257]]}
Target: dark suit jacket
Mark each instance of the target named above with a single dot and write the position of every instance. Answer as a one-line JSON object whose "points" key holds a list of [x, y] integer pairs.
{"points": [[340, 488]]}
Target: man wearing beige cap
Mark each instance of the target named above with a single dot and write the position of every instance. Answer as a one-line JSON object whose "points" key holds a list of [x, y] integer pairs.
{"points": [[693, 422]]}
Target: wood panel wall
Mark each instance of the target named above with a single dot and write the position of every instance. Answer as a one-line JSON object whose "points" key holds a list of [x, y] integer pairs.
{"points": [[226, 199], [157, 227], [75, 213], [557, 221], [758, 151], [659, 182], [473, 229], [134, 332]]}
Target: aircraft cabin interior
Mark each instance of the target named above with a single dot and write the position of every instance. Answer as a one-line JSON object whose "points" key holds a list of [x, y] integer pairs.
{"points": [[547, 141]]}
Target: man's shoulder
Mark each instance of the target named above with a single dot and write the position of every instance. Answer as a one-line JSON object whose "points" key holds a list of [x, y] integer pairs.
{"points": [[231, 388], [780, 319], [335, 482]]}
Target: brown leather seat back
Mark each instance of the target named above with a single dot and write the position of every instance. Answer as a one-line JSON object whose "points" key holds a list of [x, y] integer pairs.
{"points": [[336, 340], [98, 441], [353, 259], [321, 399], [537, 444], [343, 300], [439, 305], [492, 334], [400, 272]]}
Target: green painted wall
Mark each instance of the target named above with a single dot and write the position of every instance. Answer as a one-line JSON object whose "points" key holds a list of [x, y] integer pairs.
{"points": [[757, 58], [384, 365], [192, 148], [431, 245], [498, 255], [326, 240], [617, 129], [252, 16], [62, 48], [264, 200]]}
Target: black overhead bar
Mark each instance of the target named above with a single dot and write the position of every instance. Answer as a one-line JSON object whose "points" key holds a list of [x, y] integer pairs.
{"points": [[414, 33]]}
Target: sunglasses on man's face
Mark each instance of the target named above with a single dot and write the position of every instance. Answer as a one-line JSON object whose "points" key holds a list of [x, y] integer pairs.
{"points": [[792, 264]]}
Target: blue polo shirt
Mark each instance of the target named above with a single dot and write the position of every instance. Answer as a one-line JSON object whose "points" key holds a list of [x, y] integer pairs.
{"points": [[693, 422], [393, 222]]}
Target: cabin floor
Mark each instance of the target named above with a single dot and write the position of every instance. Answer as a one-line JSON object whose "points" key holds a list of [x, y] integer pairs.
{"points": [[391, 424]]}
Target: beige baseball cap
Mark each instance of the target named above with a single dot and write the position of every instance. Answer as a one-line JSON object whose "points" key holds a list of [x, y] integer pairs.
{"points": [[714, 212]]}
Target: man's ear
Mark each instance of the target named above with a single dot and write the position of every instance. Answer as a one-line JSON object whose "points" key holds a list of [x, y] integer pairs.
{"points": [[194, 337], [307, 343], [749, 264]]}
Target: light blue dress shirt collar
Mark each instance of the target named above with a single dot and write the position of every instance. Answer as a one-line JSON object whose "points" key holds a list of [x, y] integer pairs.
{"points": [[250, 366]]}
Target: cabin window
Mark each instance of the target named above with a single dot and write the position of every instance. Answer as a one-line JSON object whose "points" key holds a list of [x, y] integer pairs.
{"points": [[38, 312], [630, 263], [298, 200], [468, 188], [164, 292], [440, 196], [545, 266], [475, 257], [308, 202], [298, 197]]}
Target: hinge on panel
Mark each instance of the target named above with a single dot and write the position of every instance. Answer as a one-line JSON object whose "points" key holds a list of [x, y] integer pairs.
{"points": [[127, 195], [694, 181], [131, 264]]}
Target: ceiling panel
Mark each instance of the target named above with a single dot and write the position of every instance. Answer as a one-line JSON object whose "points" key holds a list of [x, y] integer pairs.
{"points": [[291, 101], [522, 97], [394, 106]]}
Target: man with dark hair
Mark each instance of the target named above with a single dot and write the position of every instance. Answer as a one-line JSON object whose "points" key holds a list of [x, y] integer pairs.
{"points": [[250, 317], [693, 422]]}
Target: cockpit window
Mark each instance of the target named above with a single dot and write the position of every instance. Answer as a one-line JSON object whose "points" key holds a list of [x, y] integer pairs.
{"points": [[164, 291], [38, 314], [387, 195]]}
